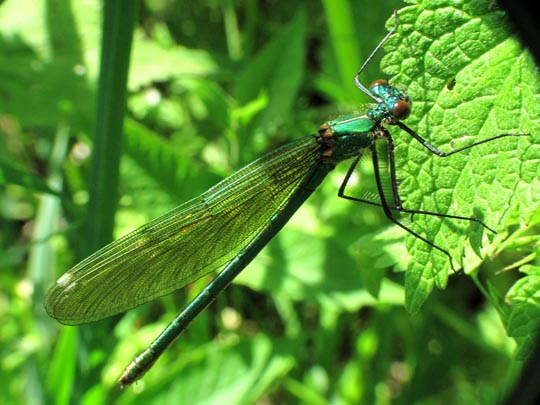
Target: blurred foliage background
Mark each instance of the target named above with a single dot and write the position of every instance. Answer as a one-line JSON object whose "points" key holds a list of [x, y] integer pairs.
{"points": [[213, 85]]}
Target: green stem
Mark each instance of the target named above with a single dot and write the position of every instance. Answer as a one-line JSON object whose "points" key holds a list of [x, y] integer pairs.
{"points": [[118, 24]]}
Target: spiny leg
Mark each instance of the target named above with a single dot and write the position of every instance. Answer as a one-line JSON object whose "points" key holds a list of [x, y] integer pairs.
{"points": [[345, 182], [440, 153], [386, 208], [395, 193]]}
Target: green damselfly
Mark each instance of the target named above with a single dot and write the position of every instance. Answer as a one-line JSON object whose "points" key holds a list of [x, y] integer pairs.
{"points": [[227, 226]]}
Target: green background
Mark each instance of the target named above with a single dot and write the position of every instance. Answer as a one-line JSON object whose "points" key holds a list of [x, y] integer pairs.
{"points": [[341, 306]]}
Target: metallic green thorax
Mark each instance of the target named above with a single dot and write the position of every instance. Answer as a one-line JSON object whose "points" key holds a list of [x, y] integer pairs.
{"points": [[345, 137]]}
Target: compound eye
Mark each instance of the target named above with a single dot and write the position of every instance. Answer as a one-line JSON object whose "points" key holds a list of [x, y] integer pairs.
{"points": [[380, 82], [401, 109]]}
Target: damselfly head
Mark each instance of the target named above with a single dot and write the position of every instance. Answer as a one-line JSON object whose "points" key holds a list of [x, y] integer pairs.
{"points": [[394, 104]]}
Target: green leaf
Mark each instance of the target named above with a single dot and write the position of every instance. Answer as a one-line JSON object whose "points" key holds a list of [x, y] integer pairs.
{"points": [[11, 172], [152, 63], [523, 318], [45, 74], [494, 90], [62, 367], [307, 273], [279, 69], [164, 163]]}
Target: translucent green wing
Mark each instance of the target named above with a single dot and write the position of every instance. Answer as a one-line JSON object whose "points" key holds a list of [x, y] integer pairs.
{"points": [[184, 244]]}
